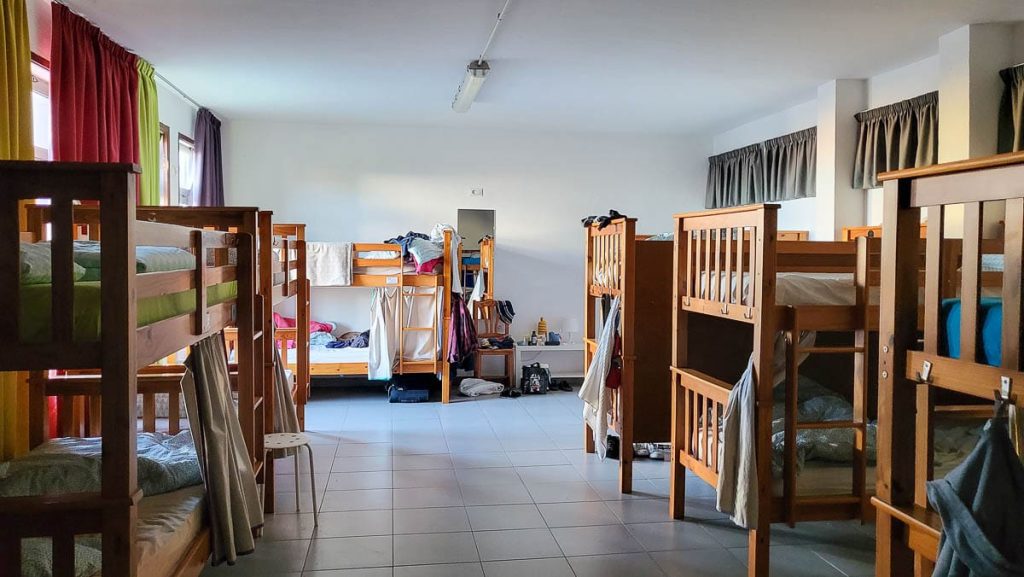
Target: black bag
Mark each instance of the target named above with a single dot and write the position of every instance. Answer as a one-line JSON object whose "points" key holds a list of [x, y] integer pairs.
{"points": [[401, 394], [536, 379]]}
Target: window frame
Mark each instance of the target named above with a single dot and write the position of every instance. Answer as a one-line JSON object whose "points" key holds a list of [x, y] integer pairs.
{"points": [[165, 164], [190, 143]]}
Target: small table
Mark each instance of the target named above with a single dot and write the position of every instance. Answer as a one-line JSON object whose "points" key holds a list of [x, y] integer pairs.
{"points": [[533, 352]]}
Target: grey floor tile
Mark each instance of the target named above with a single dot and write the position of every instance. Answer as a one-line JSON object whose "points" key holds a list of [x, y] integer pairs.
{"points": [[478, 460], [853, 562], [703, 563], [616, 565], [427, 497], [432, 520], [673, 535], [412, 462], [553, 567], [445, 570], [548, 474], [288, 527], [358, 500], [537, 458], [641, 510], [359, 480], [351, 464], [374, 572], [434, 548], [416, 478], [493, 476], [354, 523], [577, 514], [569, 492], [516, 544], [349, 553], [271, 558], [609, 490], [514, 494], [794, 561], [599, 540], [494, 517], [364, 450]]}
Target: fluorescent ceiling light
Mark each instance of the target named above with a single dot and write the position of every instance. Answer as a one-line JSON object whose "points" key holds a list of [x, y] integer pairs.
{"points": [[476, 73]]}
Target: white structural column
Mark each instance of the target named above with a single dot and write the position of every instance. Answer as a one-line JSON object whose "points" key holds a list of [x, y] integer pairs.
{"points": [[838, 204]]}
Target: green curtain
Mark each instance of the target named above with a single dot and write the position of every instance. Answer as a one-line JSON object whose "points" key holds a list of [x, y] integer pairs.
{"points": [[15, 83], [1011, 110], [894, 137], [149, 136]]}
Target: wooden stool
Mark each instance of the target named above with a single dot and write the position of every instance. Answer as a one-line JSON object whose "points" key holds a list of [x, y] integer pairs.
{"points": [[277, 441]]}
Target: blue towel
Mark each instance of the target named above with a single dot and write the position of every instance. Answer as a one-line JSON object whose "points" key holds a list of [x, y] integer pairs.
{"points": [[991, 320]]}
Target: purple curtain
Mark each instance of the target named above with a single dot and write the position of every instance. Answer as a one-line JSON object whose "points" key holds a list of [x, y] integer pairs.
{"points": [[209, 159]]}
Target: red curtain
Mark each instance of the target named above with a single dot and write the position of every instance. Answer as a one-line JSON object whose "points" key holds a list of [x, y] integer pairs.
{"points": [[94, 93]]}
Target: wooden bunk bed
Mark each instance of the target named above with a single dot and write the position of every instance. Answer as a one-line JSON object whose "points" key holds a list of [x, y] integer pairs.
{"points": [[916, 374], [478, 265], [380, 265], [763, 288], [637, 268], [113, 332], [289, 257]]}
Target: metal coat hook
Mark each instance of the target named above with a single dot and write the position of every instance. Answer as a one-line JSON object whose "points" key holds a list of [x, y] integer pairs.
{"points": [[924, 376], [1004, 396]]}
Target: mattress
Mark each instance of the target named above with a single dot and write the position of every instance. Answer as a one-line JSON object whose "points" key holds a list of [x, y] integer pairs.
{"points": [[166, 527], [35, 308], [819, 478], [794, 289], [324, 355]]}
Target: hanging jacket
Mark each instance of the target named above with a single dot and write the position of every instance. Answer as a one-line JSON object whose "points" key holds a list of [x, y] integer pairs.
{"points": [[981, 503], [462, 340]]}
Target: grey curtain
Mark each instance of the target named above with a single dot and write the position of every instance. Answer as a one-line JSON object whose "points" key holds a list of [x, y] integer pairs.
{"points": [[779, 169], [1011, 110], [735, 177], [286, 420], [790, 165], [209, 159], [232, 497], [894, 137]]}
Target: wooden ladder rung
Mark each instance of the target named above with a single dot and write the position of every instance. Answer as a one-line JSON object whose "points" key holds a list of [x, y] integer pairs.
{"points": [[418, 328], [829, 350], [829, 425]]}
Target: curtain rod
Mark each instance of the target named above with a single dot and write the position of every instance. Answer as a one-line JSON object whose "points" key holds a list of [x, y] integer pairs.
{"points": [[180, 92]]}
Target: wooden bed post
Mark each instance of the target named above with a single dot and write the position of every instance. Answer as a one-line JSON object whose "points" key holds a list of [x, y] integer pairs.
{"points": [[627, 282], [896, 395], [302, 320], [763, 360], [267, 370], [448, 269], [588, 324], [119, 383], [680, 318]]}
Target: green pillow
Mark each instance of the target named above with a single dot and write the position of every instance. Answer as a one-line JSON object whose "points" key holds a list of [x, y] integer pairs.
{"points": [[37, 264]]}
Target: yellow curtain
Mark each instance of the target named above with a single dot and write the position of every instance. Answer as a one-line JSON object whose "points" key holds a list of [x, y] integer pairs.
{"points": [[15, 144], [13, 415], [149, 136], [15, 83]]}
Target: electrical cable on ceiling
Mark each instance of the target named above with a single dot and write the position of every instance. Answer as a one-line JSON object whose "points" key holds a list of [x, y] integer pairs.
{"points": [[501, 14]]}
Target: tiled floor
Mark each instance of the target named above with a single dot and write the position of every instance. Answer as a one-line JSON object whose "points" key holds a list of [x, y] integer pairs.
{"points": [[501, 488]]}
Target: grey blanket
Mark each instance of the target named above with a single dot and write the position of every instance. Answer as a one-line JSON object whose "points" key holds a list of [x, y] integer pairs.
{"points": [[981, 503]]}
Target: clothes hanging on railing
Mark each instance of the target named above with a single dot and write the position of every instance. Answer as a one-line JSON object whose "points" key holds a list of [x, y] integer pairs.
{"points": [[462, 340], [737, 475], [384, 332], [981, 503], [286, 418], [595, 395]]}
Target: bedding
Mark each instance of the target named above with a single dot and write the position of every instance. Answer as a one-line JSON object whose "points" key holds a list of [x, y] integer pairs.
{"points": [[37, 264], [990, 321], [324, 355], [166, 526], [147, 258], [35, 309], [73, 465]]}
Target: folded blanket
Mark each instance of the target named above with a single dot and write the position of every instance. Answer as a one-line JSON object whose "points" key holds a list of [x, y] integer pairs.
{"points": [[147, 258], [329, 263]]}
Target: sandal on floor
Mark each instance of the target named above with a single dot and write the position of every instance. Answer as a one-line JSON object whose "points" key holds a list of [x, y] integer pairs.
{"points": [[565, 386]]}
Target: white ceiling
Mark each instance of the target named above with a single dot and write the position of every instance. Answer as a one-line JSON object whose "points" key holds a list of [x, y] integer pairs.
{"points": [[666, 66]]}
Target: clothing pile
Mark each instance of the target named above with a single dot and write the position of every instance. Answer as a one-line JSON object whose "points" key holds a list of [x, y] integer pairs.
{"points": [[425, 252], [320, 333], [498, 343], [602, 221], [351, 340]]}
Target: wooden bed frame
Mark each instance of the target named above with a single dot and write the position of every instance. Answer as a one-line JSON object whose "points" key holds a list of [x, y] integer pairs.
{"points": [[485, 269], [707, 246], [640, 272], [908, 531], [362, 277], [122, 349], [290, 241]]}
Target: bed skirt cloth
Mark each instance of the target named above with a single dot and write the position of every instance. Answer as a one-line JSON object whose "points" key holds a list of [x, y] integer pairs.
{"points": [[595, 395], [329, 263], [233, 501]]}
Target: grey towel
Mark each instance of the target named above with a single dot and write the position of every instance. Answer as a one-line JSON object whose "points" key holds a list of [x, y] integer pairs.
{"points": [[981, 503]]}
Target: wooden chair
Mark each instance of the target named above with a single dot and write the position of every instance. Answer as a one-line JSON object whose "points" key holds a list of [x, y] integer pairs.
{"points": [[490, 325]]}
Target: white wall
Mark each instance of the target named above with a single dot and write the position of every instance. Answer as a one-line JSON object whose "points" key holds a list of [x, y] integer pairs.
{"points": [[795, 214], [368, 183]]}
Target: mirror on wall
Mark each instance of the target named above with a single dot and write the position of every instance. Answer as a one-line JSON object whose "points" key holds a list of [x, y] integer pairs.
{"points": [[475, 224]]}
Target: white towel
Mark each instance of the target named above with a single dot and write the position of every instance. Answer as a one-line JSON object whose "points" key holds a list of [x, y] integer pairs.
{"points": [[329, 263], [737, 475], [595, 395], [437, 235]]}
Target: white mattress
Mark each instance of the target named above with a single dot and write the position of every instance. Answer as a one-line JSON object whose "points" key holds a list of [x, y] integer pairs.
{"points": [[166, 526], [323, 355], [833, 289]]}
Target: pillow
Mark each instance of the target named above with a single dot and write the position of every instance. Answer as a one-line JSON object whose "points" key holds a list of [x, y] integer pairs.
{"points": [[423, 251], [147, 258], [37, 264]]}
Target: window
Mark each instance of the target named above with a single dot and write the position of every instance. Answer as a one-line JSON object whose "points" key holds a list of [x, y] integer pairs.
{"points": [[165, 164], [186, 170], [42, 137]]}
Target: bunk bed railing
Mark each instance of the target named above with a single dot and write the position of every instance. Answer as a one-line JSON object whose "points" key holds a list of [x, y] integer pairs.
{"points": [[912, 372]]}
